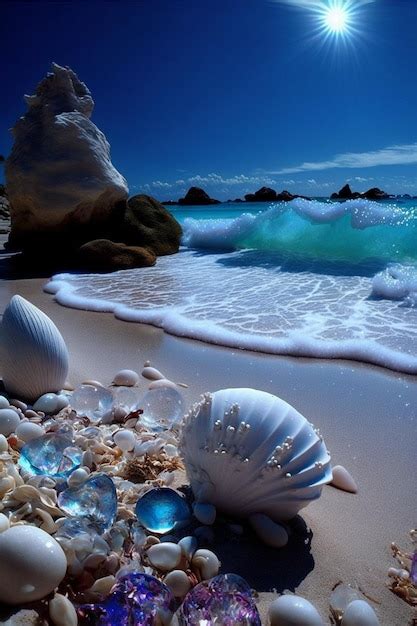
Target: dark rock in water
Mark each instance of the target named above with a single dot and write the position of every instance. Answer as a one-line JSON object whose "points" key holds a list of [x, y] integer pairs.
{"points": [[147, 223], [170, 203], [375, 194], [265, 194], [4, 204], [347, 194], [197, 196], [103, 255]]}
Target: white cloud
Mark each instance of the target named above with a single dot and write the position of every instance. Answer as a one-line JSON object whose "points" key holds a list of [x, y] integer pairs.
{"points": [[159, 184], [393, 155]]}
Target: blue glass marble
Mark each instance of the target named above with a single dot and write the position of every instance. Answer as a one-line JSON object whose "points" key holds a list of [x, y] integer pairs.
{"points": [[52, 455], [95, 499], [225, 599], [161, 510], [136, 600]]}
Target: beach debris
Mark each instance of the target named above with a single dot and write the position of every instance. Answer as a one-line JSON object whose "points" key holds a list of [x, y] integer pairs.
{"points": [[161, 510], [162, 408], [94, 499], [9, 421], [225, 599], [143, 468], [126, 378], [136, 598], [91, 401], [293, 610], [34, 354], [247, 452], [359, 613], [403, 580], [343, 480], [53, 454], [32, 564]]}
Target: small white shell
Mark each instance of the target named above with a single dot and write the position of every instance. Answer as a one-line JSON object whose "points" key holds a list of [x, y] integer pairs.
{"points": [[206, 563], [151, 373], [291, 610], [164, 556], [26, 431], [62, 611], [34, 354], [359, 613], [343, 480], [126, 378], [247, 452], [125, 440], [9, 421]]}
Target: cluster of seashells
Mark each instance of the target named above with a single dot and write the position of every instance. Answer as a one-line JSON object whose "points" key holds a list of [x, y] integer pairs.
{"points": [[246, 453]]}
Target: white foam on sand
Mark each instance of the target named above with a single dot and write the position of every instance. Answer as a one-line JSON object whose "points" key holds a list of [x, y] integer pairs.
{"points": [[248, 300]]}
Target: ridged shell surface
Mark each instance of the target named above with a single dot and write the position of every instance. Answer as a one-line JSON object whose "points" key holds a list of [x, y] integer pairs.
{"points": [[34, 357], [248, 451]]}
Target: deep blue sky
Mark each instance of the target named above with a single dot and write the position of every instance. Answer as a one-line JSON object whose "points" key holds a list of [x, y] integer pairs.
{"points": [[230, 94]]}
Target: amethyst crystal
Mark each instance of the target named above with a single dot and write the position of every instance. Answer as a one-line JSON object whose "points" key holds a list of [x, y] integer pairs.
{"points": [[413, 572], [225, 599], [136, 600]]}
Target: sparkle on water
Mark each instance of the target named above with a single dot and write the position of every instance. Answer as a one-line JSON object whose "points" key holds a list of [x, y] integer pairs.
{"points": [[51, 455], [336, 19], [162, 510], [136, 598], [162, 407], [91, 401], [225, 599], [95, 499]]}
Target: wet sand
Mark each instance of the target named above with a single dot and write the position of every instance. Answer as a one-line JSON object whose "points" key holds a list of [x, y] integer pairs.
{"points": [[367, 416]]}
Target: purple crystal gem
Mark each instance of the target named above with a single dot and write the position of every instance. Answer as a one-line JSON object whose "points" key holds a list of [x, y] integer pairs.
{"points": [[225, 599], [136, 600], [413, 573]]}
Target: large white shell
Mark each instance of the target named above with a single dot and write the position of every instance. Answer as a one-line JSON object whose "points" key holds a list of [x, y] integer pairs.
{"points": [[247, 451], [34, 357]]}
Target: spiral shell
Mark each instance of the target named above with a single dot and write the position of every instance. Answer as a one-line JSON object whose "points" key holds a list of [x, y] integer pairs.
{"points": [[249, 452], [34, 357]]}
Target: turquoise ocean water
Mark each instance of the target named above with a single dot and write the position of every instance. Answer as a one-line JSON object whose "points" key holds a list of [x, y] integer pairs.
{"points": [[321, 279]]}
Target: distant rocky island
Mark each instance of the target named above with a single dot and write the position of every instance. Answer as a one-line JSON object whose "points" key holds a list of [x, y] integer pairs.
{"points": [[347, 194]]}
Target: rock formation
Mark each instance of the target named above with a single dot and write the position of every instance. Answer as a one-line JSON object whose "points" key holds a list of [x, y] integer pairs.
{"points": [[266, 194], [347, 194], [102, 255], [59, 175], [197, 196]]}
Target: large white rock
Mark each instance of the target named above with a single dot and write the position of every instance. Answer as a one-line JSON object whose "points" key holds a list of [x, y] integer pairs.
{"points": [[59, 174]]}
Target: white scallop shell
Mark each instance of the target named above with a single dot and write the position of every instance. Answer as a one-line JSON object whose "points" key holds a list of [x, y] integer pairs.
{"points": [[34, 357], [247, 452]]}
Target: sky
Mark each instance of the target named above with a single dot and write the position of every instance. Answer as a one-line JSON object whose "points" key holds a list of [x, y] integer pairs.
{"points": [[231, 95]]}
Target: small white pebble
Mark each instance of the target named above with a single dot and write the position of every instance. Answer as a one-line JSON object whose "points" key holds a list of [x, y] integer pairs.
{"points": [[178, 582], [151, 373], [4, 446], [62, 611], [4, 403], [62, 401], [26, 431], [77, 477], [164, 556], [29, 413], [125, 440], [48, 403], [206, 563], [4, 522], [126, 378], [9, 421]]}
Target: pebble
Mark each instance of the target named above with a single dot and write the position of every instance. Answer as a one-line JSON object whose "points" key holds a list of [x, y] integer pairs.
{"points": [[48, 403], [126, 378], [125, 440], [4, 446], [77, 477], [4, 403], [29, 414], [292, 610], [26, 431], [18, 404], [164, 556], [343, 480], [178, 582], [9, 421], [206, 562], [359, 613], [63, 401], [188, 546], [205, 513], [4, 522], [62, 611], [151, 373]]}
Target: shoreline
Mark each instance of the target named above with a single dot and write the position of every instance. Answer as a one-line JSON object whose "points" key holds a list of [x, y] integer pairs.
{"points": [[365, 414]]}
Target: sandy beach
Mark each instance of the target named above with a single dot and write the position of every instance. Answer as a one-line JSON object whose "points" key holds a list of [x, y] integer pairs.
{"points": [[366, 414]]}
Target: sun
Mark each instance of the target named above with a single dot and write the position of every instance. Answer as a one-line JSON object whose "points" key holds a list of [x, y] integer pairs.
{"points": [[336, 19]]}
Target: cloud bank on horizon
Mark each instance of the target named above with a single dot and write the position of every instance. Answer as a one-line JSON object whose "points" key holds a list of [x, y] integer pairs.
{"points": [[392, 155]]}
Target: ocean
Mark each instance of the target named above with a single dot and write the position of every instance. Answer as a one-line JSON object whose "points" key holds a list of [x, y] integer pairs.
{"points": [[306, 278]]}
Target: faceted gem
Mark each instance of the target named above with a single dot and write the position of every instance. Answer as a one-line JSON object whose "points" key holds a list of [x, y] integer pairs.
{"points": [[136, 600], [162, 407], [91, 401], [52, 454], [225, 600], [413, 573], [162, 509], [95, 499]]}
